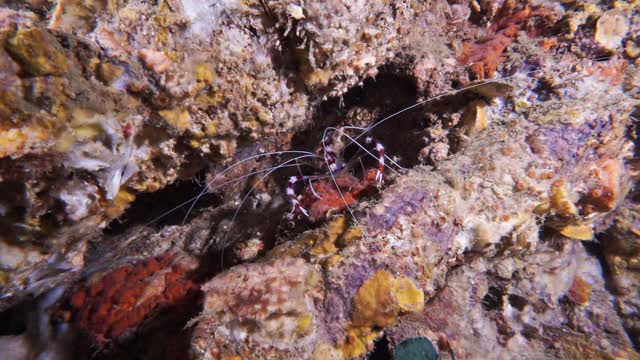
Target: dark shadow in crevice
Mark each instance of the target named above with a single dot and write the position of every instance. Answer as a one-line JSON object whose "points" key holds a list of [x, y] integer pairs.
{"points": [[378, 98], [164, 336], [14, 320], [493, 299], [361, 106], [381, 350], [155, 209]]}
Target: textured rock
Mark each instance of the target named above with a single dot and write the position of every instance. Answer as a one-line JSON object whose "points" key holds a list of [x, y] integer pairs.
{"points": [[612, 28], [265, 307], [37, 52], [145, 94], [485, 313]]}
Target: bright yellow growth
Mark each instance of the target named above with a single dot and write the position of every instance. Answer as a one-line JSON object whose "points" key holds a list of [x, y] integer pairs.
{"points": [[350, 236], [560, 201], [578, 232], [382, 297], [326, 245], [357, 340], [410, 298], [17, 141], [178, 118], [375, 303]]}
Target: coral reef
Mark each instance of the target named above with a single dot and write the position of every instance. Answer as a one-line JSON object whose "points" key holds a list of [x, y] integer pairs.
{"points": [[500, 308], [482, 208], [132, 97], [507, 224]]}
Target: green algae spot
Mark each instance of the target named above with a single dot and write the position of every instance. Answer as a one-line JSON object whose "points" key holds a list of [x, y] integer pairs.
{"points": [[417, 348]]}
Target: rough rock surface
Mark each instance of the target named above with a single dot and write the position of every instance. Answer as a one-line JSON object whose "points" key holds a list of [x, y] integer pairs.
{"points": [[507, 225]]}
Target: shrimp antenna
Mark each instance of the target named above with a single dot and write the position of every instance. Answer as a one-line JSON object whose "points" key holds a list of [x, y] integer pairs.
{"points": [[205, 188], [244, 199]]}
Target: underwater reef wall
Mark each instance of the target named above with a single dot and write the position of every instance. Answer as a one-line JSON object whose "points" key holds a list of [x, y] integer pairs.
{"points": [[507, 224]]}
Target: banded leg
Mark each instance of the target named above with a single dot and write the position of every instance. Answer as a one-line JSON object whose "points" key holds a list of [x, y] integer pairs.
{"points": [[330, 155], [291, 193], [380, 149]]}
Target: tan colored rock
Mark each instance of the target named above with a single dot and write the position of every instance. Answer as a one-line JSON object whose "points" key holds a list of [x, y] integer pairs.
{"points": [[269, 303], [178, 118], [611, 29], [155, 60], [37, 52]]}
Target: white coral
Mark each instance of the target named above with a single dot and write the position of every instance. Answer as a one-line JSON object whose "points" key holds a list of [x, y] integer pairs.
{"points": [[78, 200], [113, 157]]}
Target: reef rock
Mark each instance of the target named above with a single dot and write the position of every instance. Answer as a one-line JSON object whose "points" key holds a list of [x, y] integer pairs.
{"points": [[270, 305]]}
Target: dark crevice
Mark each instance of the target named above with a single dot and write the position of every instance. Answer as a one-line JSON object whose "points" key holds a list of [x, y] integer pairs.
{"points": [[166, 330], [608, 243], [381, 349], [14, 320], [361, 106], [493, 299], [148, 207], [392, 96], [517, 301], [403, 138]]}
